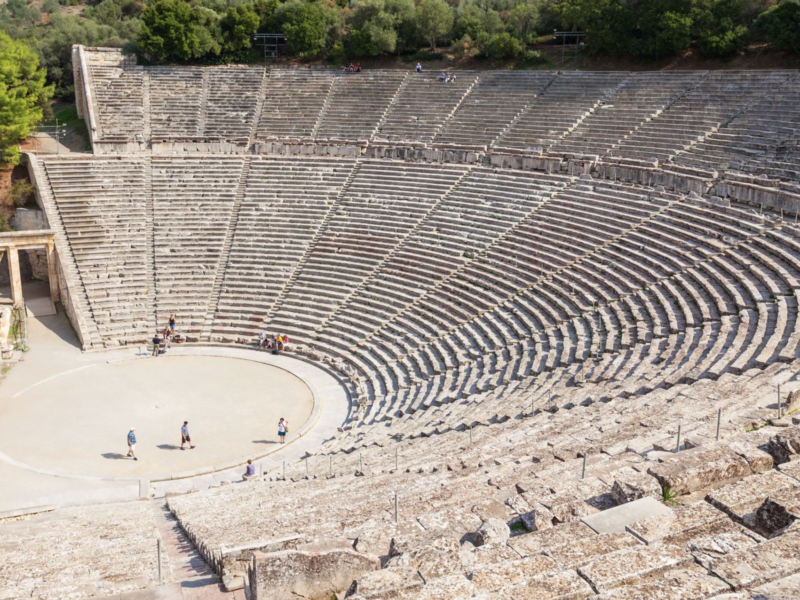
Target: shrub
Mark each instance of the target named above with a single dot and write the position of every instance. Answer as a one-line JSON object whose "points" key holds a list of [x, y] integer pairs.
{"points": [[502, 45], [781, 26], [21, 193]]}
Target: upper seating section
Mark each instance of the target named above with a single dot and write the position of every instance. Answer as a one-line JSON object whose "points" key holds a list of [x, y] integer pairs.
{"points": [[118, 101], [176, 99], [232, 97], [293, 103]]}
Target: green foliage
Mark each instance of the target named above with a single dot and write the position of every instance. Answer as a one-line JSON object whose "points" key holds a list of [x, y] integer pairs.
{"points": [[237, 28], [21, 193], [176, 30], [23, 94], [780, 26], [51, 6], [434, 20], [376, 25], [21, 12], [502, 46], [303, 25], [532, 58], [422, 56], [668, 495]]}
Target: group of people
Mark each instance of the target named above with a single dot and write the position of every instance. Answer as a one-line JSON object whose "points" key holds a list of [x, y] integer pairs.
{"points": [[276, 343], [161, 344], [447, 77], [353, 68]]}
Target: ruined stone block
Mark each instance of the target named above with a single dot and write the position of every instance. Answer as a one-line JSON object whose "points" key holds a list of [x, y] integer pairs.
{"points": [[279, 575], [635, 486], [772, 560], [785, 446], [702, 468], [631, 564]]}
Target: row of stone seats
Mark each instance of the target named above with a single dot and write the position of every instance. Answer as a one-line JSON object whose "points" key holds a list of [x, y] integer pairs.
{"points": [[491, 106], [80, 552], [561, 107], [482, 208], [782, 162], [293, 102], [700, 112], [285, 204], [422, 106], [176, 99], [193, 203], [752, 133], [357, 104], [520, 471], [100, 205], [118, 101], [373, 216], [641, 98], [233, 95]]}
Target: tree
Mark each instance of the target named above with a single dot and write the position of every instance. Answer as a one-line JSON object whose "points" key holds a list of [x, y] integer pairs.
{"points": [[304, 27], [434, 20], [781, 26], [173, 29], [375, 25], [23, 95], [237, 27], [502, 45], [523, 21]]}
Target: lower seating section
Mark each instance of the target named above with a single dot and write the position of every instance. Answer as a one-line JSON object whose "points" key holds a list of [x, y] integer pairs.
{"points": [[293, 103], [176, 96], [233, 94], [80, 552], [285, 204], [358, 103], [118, 101], [571, 98], [511, 507], [699, 113], [422, 107], [100, 207], [492, 105], [382, 205], [193, 203]]}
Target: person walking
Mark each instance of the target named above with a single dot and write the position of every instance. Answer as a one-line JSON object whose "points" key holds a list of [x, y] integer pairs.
{"points": [[132, 443], [283, 427], [185, 439], [172, 323]]}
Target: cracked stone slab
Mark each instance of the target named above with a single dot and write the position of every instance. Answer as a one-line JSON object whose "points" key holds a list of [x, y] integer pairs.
{"points": [[617, 518], [737, 499], [700, 469], [688, 582], [681, 519], [764, 563], [494, 577], [557, 585], [585, 550], [631, 564], [539, 541]]}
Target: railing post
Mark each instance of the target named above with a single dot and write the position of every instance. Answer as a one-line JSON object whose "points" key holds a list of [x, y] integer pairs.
{"points": [[583, 470], [678, 447], [160, 574], [719, 420]]}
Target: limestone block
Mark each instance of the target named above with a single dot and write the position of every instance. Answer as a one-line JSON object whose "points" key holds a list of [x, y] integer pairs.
{"points": [[782, 589], [386, 583], [687, 582], [758, 460], [635, 486], [710, 549], [630, 564], [785, 446], [539, 541], [740, 498], [475, 558], [492, 531], [555, 585], [494, 577], [279, 575], [701, 468], [681, 519], [763, 563], [436, 559], [585, 550]]}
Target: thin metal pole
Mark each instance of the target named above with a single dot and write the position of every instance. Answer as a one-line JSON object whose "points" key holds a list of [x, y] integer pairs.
{"points": [[583, 470], [260, 472], [678, 447], [284, 470], [307, 466], [719, 420], [160, 575], [532, 407], [330, 467], [396, 508]]}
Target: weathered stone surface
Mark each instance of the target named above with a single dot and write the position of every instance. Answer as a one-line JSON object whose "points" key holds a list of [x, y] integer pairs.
{"points": [[494, 577], [687, 582], [758, 460], [491, 554], [585, 550], [628, 565], [556, 585], [436, 559], [681, 519], [740, 498], [782, 589], [454, 587], [278, 575], [385, 583], [785, 446], [772, 560], [792, 469], [635, 486], [703, 468], [539, 541], [710, 549], [492, 531]]}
